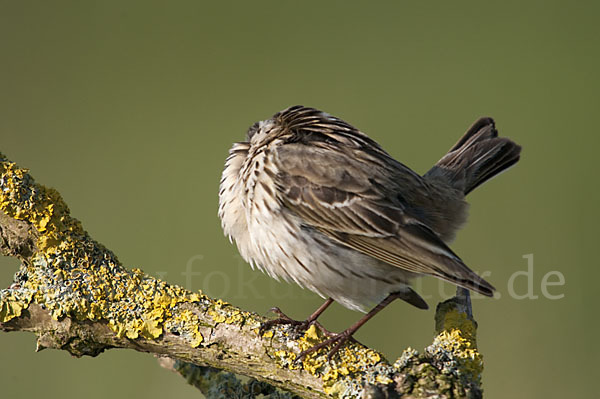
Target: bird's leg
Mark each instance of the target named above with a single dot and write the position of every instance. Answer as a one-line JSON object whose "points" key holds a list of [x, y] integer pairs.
{"points": [[284, 319], [312, 319], [341, 338]]}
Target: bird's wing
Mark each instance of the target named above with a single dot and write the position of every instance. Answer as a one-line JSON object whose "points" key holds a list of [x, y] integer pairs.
{"points": [[354, 194]]}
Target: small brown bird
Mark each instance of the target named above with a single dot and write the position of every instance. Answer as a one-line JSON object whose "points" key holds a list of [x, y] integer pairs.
{"points": [[311, 199]]}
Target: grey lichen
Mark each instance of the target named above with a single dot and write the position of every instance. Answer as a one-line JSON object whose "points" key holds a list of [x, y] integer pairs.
{"points": [[219, 384]]}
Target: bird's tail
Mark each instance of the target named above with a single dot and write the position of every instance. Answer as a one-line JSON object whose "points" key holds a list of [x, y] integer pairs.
{"points": [[477, 157]]}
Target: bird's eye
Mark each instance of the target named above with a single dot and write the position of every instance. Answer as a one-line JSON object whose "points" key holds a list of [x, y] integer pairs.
{"points": [[252, 130]]}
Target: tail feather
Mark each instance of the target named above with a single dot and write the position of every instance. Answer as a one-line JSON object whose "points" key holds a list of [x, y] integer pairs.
{"points": [[477, 157]]}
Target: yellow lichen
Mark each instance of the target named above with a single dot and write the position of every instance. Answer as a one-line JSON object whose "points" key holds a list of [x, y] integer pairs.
{"points": [[463, 348], [266, 334], [217, 317], [186, 323], [198, 338], [9, 309], [223, 312], [311, 334], [235, 316], [42, 207], [382, 379], [335, 390], [455, 319], [456, 339]]}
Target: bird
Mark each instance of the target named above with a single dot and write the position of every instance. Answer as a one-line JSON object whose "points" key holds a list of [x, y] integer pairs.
{"points": [[310, 199]]}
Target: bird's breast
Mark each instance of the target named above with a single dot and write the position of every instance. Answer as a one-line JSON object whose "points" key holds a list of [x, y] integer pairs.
{"points": [[231, 205], [248, 205]]}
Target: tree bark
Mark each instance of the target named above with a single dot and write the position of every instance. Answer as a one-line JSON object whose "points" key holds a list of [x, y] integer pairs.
{"points": [[76, 296]]}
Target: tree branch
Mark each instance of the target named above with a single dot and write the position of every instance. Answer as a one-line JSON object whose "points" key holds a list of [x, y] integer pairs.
{"points": [[76, 296]]}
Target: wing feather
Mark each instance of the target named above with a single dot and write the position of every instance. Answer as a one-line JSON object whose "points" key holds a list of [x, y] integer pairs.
{"points": [[362, 204]]}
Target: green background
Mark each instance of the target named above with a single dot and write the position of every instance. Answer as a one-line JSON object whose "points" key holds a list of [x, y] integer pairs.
{"points": [[128, 109]]}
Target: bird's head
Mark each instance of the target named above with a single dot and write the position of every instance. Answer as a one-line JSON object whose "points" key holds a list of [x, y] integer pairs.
{"points": [[292, 124], [262, 132]]}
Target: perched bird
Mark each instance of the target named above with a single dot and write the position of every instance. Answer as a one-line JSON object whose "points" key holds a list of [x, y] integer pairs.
{"points": [[310, 199]]}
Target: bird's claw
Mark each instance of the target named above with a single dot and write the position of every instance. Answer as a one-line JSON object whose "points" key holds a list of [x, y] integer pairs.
{"points": [[300, 325], [282, 319]]}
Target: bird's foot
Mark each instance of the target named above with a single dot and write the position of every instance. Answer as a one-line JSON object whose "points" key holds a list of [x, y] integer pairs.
{"points": [[282, 319], [337, 340], [299, 325]]}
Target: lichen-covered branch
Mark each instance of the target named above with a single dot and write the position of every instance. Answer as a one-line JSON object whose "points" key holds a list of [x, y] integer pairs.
{"points": [[76, 296]]}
